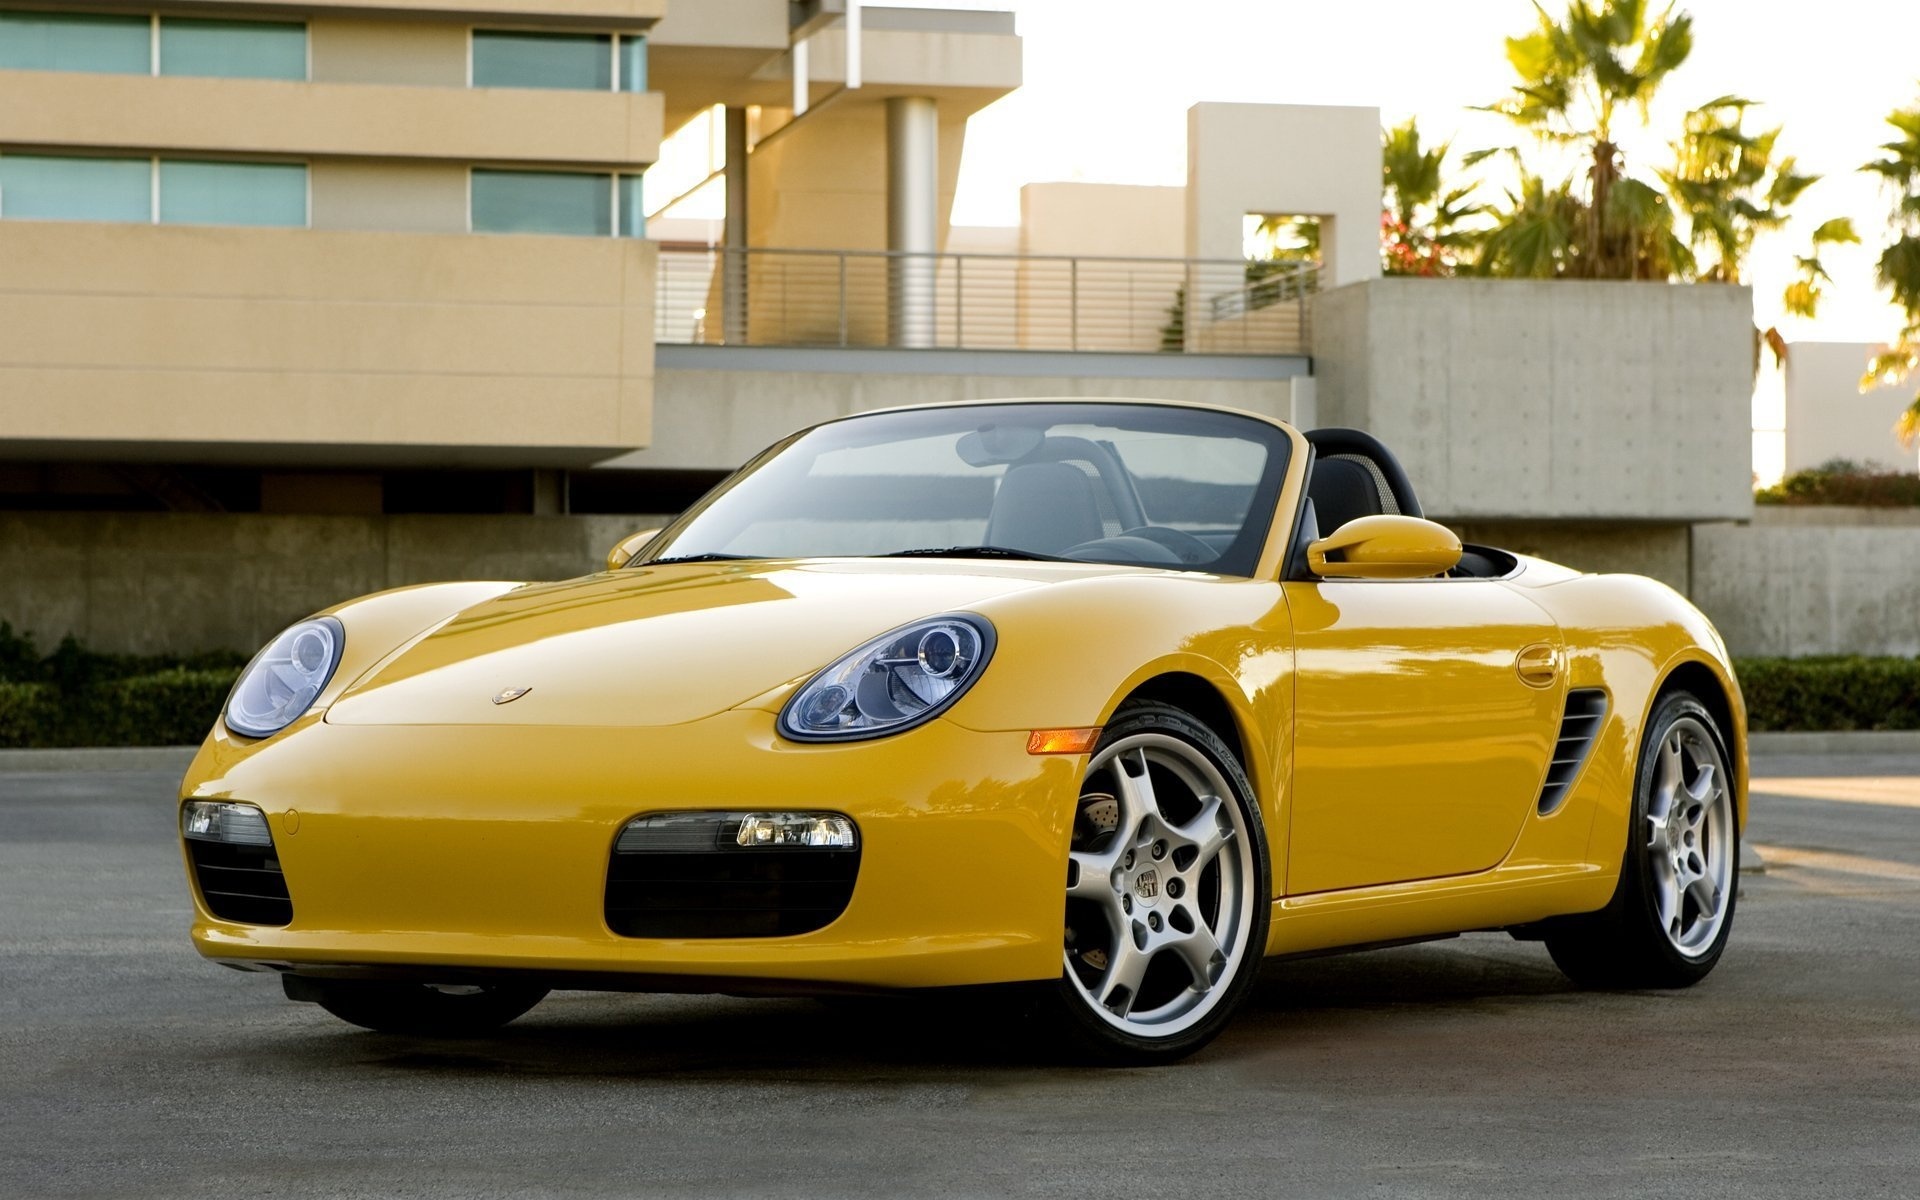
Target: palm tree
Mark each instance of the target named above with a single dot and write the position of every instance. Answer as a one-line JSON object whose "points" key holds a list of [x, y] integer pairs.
{"points": [[1534, 235], [1423, 222], [1899, 266], [1729, 185], [1577, 76]]}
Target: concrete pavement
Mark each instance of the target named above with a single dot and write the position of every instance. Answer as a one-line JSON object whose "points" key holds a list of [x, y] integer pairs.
{"points": [[130, 1067]]}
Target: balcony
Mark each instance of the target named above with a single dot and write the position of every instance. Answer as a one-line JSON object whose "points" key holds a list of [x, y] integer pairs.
{"points": [[858, 299], [265, 345], [579, 130]]}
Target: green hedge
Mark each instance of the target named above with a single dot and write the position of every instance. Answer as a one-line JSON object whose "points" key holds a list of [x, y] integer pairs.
{"points": [[75, 697], [1831, 693], [167, 708]]}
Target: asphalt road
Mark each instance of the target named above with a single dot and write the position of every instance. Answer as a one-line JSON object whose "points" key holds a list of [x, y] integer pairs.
{"points": [[128, 1067]]}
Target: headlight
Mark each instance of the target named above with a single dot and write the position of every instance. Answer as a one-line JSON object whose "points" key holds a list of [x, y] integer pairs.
{"points": [[894, 682], [284, 679]]}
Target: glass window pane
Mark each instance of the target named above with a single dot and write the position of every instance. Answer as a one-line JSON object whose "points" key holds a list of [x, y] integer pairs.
{"points": [[633, 212], [39, 187], [542, 60], [541, 202], [75, 42], [233, 49], [229, 193], [633, 64]]}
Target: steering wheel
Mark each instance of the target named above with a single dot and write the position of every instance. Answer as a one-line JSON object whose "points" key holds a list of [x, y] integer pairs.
{"points": [[1187, 548]]}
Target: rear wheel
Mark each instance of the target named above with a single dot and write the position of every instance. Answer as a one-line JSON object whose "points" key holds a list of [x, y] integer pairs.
{"points": [[418, 1009], [1672, 911], [1167, 891]]}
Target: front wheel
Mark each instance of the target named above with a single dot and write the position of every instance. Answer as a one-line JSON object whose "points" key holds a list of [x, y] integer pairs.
{"points": [[1168, 894], [1672, 911], [417, 1009]]}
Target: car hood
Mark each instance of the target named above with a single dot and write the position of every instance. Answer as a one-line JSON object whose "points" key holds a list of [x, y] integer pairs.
{"points": [[664, 645]]}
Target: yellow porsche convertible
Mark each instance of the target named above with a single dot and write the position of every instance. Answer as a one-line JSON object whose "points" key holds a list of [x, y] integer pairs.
{"points": [[1106, 699]]}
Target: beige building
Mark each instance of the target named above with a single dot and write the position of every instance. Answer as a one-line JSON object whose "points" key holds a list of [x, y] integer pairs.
{"points": [[388, 256]]}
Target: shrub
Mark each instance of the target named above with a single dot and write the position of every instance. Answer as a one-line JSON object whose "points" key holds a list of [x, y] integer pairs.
{"points": [[1831, 693], [1844, 482], [75, 697]]}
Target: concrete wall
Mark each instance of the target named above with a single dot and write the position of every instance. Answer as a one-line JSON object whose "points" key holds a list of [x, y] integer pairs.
{"points": [[1661, 551], [719, 406], [162, 583], [1794, 582], [1829, 417], [1803, 581], [1548, 399]]}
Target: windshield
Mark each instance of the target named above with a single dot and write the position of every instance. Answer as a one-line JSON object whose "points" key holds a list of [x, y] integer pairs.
{"points": [[1192, 489]]}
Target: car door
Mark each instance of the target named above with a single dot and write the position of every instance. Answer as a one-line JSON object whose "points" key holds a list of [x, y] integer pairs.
{"points": [[1419, 748]]}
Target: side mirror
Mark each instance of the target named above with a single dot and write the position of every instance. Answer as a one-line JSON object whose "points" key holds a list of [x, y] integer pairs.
{"points": [[624, 550], [1385, 547]]}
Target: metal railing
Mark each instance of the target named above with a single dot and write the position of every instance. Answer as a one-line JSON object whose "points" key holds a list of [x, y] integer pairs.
{"points": [[854, 298]]}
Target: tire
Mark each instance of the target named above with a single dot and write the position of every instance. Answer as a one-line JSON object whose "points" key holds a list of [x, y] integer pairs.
{"points": [[417, 1009], [1169, 892], [1672, 911]]}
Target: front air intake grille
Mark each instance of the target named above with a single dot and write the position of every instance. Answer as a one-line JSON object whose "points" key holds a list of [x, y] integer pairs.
{"points": [[241, 883], [687, 875], [1586, 708]]}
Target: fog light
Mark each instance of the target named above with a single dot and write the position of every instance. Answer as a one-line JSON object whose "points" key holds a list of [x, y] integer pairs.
{"points": [[823, 830], [217, 821]]}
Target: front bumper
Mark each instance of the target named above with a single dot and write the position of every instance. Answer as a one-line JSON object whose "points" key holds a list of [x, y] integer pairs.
{"points": [[445, 850]]}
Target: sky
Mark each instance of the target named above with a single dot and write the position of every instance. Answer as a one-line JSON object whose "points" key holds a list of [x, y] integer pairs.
{"points": [[1108, 83]]}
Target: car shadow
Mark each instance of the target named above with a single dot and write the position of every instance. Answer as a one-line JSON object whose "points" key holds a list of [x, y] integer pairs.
{"points": [[975, 1034]]}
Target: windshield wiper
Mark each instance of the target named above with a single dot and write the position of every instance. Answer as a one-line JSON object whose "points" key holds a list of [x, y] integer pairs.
{"points": [[694, 558], [974, 552]]}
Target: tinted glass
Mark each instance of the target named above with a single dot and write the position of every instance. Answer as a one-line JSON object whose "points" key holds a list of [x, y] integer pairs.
{"points": [[542, 60], [633, 211], [226, 193], [633, 64], [541, 202], [51, 188], [32, 41], [1189, 489], [233, 49]]}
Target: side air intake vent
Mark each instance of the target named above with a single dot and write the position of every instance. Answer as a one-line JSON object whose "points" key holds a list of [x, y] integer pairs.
{"points": [[1586, 708]]}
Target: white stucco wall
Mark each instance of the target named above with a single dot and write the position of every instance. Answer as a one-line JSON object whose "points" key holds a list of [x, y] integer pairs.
{"points": [[1548, 399], [1828, 417], [1297, 159]]}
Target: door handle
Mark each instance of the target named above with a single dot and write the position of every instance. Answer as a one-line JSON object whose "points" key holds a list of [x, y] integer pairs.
{"points": [[1538, 665]]}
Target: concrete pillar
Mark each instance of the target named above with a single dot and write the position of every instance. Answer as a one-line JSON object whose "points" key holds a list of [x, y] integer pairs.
{"points": [[913, 218], [548, 493], [733, 256]]}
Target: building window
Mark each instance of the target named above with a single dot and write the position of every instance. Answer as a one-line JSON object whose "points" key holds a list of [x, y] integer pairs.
{"points": [[47, 187], [42, 187], [541, 202], [594, 62], [233, 193], [633, 212], [38, 41], [233, 49], [633, 64], [542, 60]]}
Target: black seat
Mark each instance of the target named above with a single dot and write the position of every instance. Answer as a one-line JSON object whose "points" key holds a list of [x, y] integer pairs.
{"points": [[1343, 489], [1045, 508]]}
